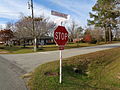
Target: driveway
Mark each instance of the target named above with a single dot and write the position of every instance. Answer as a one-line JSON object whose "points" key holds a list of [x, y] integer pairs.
{"points": [[28, 62]]}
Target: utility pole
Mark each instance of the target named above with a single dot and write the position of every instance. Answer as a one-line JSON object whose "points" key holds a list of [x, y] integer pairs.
{"points": [[35, 39]]}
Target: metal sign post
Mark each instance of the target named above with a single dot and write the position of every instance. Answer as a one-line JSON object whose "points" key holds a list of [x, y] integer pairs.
{"points": [[61, 47], [60, 66]]}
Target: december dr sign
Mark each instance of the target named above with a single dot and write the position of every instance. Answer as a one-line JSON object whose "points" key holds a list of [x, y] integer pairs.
{"points": [[61, 35]]}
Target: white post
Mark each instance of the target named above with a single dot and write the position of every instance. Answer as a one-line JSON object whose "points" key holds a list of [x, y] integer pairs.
{"points": [[35, 41], [60, 66]]}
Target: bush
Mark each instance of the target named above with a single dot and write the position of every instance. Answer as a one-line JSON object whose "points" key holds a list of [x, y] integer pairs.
{"points": [[82, 41], [94, 41], [88, 38]]}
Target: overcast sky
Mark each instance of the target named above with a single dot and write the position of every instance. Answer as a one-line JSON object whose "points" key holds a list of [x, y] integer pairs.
{"points": [[10, 10]]}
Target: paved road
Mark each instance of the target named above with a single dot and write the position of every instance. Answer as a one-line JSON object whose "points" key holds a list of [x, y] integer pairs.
{"points": [[14, 65], [10, 76], [29, 62]]}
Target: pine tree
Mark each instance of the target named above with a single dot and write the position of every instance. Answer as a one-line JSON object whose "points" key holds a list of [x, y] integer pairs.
{"points": [[105, 16]]}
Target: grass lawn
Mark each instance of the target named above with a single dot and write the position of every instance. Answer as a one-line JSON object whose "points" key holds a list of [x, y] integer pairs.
{"points": [[95, 71], [29, 49], [15, 50]]}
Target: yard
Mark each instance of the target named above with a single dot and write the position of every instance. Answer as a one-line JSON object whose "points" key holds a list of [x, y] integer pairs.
{"points": [[29, 49], [95, 71]]}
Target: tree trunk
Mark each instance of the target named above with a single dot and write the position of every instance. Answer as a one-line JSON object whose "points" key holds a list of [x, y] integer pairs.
{"points": [[24, 43], [116, 34], [37, 44], [98, 41], [105, 35], [110, 35]]}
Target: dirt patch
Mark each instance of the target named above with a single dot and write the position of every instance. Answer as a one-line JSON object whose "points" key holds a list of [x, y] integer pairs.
{"points": [[51, 74], [27, 75], [4, 52], [118, 77]]}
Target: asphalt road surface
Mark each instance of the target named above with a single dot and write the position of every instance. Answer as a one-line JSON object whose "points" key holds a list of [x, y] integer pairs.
{"points": [[12, 66], [10, 76], [28, 62]]}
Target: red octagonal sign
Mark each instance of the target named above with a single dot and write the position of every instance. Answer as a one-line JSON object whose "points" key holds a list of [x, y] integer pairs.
{"points": [[61, 35]]}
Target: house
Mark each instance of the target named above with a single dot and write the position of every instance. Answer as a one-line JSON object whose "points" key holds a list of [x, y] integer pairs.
{"points": [[6, 36], [46, 40]]}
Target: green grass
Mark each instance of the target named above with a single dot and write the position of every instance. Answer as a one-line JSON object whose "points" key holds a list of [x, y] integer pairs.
{"points": [[29, 49], [96, 71], [15, 50]]}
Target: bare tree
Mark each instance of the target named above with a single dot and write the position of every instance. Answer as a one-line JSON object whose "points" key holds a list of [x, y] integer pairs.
{"points": [[72, 30], [21, 31], [75, 31], [1, 27], [97, 33], [24, 27], [9, 25]]}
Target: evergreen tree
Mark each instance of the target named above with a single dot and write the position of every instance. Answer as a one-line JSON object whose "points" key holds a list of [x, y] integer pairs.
{"points": [[105, 16]]}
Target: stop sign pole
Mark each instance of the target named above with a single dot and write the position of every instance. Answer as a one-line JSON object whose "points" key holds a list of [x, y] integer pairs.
{"points": [[61, 38], [61, 48], [60, 66]]}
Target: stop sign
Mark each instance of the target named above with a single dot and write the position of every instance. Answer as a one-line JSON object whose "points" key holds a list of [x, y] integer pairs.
{"points": [[61, 35]]}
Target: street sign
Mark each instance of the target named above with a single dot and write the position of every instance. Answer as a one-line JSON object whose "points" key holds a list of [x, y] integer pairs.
{"points": [[61, 36], [55, 13]]}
